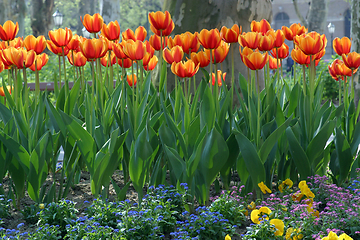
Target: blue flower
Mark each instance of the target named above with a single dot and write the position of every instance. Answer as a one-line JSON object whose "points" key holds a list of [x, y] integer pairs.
{"points": [[19, 225]]}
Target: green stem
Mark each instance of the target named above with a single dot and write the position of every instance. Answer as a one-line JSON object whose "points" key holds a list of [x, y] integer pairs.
{"points": [[258, 106], [93, 80], [339, 92], [232, 79], [66, 82], [99, 84], [352, 86], [304, 79], [26, 94], [37, 84]]}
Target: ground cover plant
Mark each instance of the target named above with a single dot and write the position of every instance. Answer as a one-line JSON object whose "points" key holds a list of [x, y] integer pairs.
{"points": [[126, 122]]}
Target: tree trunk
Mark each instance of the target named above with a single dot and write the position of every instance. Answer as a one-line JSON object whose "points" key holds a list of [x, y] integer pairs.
{"points": [[41, 21], [355, 36], [110, 10], [190, 15], [316, 18], [84, 8]]}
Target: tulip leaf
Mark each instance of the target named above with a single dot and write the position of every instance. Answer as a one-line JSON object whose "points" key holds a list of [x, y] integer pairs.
{"points": [[5, 114], [207, 110], [177, 164], [252, 161], [298, 155], [293, 100], [344, 156], [72, 97]]}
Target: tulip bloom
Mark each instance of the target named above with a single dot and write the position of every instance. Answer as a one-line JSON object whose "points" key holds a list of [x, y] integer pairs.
{"points": [[134, 50], [266, 43], [300, 57], [93, 48], [174, 55], [41, 60], [160, 20], [219, 54], [2, 92], [93, 24], [125, 62], [105, 60], [310, 43], [165, 32], [262, 27], [140, 34], [60, 37], [352, 60], [9, 30], [155, 42], [273, 63], [184, 69], [56, 50], [118, 49], [250, 39], [338, 69], [111, 31], [210, 39], [255, 60], [187, 41], [220, 78], [21, 58], [151, 64], [74, 43], [131, 79], [342, 46], [79, 59], [2, 66], [37, 44], [230, 35], [282, 52], [295, 30], [201, 59]]}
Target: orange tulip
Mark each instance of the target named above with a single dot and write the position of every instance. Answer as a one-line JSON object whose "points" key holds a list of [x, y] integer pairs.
{"points": [[146, 58], [140, 34], [151, 64], [111, 31], [255, 60], [93, 24], [273, 63], [310, 43], [200, 58], [295, 30], [131, 79], [184, 69], [118, 49], [125, 62], [342, 45], [2, 66], [279, 37], [6, 57], [250, 39], [37, 44], [230, 35], [298, 56], [155, 42], [134, 50], [56, 50], [93, 48], [352, 60], [2, 92], [79, 59], [338, 69], [74, 43], [219, 54], [319, 55], [262, 27], [210, 39], [173, 55], [16, 43], [187, 41], [149, 48], [8, 31], [266, 43], [41, 60], [165, 32], [21, 58], [282, 51], [60, 37], [220, 78], [104, 60], [160, 20]]}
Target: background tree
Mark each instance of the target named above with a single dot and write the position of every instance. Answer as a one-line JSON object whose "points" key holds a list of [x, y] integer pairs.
{"points": [[14, 10], [355, 39], [190, 15], [316, 18], [41, 17]]}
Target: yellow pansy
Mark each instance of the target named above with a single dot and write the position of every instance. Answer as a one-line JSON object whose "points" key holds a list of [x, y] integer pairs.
{"points": [[256, 214], [264, 188], [279, 225]]}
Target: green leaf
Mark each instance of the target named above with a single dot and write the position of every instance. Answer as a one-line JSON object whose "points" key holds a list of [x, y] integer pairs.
{"points": [[345, 158], [207, 110], [177, 164], [298, 155], [71, 99], [251, 158]]}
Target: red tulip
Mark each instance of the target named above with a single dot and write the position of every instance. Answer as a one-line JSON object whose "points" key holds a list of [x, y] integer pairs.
{"points": [[93, 48], [282, 52], [342, 46], [201, 59], [230, 35], [60, 37], [255, 60], [131, 79], [93, 24], [151, 64], [155, 42], [111, 31], [173, 55], [41, 60], [134, 50], [184, 69], [295, 30], [352, 60], [8, 31], [262, 27], [210, 39], [250, 39], [37, 44], [220, 78]]}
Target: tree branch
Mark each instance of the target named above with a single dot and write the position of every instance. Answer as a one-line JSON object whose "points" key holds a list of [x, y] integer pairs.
{"points": [[302, 19]]}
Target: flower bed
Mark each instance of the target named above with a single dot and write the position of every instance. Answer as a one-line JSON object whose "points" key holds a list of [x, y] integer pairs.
{"points": [[315, 210]]}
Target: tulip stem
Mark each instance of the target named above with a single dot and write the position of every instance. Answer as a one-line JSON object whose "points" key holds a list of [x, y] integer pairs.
{"points": [[194, 83], [258, 113], [26, 93], [304, 79], [186, 90], [37, 83], [339, 91], [133, 95], [352, 86], [66, 82], [9, 77], [99, 84], [210, 70], [93, 80], [16, 90], [345, 94], [232, 80], [123, 97]]}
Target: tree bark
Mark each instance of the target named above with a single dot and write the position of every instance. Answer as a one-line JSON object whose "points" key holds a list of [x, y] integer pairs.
{"points": [[190, 15], [41, 20], [355, 43], [316, 17], [110, 10]]}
